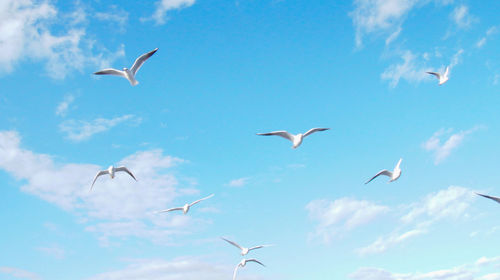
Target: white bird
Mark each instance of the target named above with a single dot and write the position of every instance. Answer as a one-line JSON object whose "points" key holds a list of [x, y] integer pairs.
{"points": [[128, 74], [186, 206], [497, 199], [244, 250], [111, 171], [442, 78], [296, 139], [243, 263], [394, 175]]}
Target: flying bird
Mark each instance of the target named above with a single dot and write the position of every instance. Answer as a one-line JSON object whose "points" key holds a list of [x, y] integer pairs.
{"points": [[128, 74], [186, 206], [497, 199], [296, 139], [243, 263], [394, 175], [244, 250], [111, 171], [442, 78]]}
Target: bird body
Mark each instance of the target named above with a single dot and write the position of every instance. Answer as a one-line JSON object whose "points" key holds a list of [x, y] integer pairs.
{"points": [[394, 175], [242, 263], [130, 76], [186, 207], [443, 78], [126, 73], [112, 171], [296, 139]]}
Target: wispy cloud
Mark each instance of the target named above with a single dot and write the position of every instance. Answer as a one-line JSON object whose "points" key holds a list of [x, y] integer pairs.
{"points": [[115, 15], [492, 30], [63, 107], [19, 273], [163, 6], [413, 67], [463, 272], [450, 203], [384, 17], [340, 216], [83, 130], [379, 16], [114, 208], [27, 34], [238, 182], [180, 268], [443, 150], [53, 251], [461, 16]]}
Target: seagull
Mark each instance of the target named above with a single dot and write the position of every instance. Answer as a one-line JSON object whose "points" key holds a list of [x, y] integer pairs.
{"points": [[497, 199], [442, 78], [186, 206], [394, 175], [296, 139], [128, 74], [111, 171], [244, 250], [243, 263]]}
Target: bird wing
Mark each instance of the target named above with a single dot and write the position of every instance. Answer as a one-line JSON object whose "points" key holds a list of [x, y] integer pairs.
{"points": [[311, 131], [435, 74], [254, 260], [382, 172], [201, 200], [497, 199], [232, 243], [140, 61], [124, 169], [258, 247], [110, 71], [171, 209], [399, 163], [235, 270], [102, 172], [447, 71], [281, 133]]}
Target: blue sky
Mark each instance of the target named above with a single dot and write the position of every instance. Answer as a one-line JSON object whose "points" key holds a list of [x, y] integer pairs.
{"points": [[224, 71]]}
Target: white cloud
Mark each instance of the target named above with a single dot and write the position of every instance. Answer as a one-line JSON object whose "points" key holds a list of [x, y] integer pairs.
{"points": [[442, 151], [63, 107], [163, 6], [410, 69], [383, 243], [393, 36], [119, 207], [83, 130], [492, 30], [379, 16], [19, 273], [384, 16], [471, 271], [461, 16], [488, 261], [180, 268], [53, 251], [238, 182], [25, 34], [450, 203], [341, 215], [116, 15]]}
